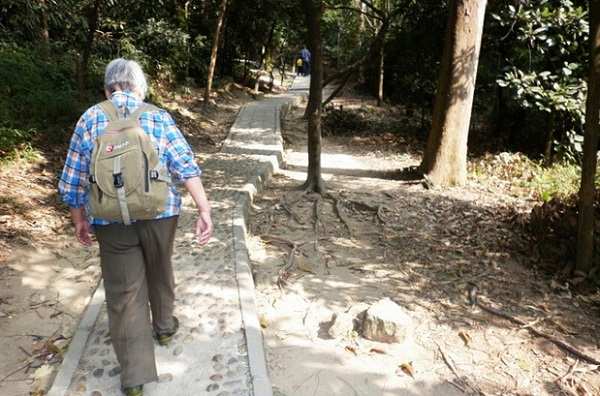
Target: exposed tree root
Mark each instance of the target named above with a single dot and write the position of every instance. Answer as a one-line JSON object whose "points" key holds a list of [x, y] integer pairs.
{"points": [[383, 221], [283, 271], [569, 348], [292, 214], [340, 212], [461, 383], [317, 206], [574, 369]]}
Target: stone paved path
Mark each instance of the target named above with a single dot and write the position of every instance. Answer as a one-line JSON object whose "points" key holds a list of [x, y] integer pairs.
{"points": [[219, 348]]}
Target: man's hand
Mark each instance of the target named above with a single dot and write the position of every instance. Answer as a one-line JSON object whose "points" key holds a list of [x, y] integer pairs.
{"points": [[204, 227], [82, 229]]}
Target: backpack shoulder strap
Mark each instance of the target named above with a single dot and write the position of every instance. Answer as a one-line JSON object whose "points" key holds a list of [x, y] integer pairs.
{"points": [[109, 109], [141, 110]]}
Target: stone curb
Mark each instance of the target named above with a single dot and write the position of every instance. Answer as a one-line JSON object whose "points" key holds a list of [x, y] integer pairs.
{"points": [[65, 374], [259, 374]]}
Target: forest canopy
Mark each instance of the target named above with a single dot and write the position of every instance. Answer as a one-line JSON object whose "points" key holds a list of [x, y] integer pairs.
{"points": [[529, 95]]}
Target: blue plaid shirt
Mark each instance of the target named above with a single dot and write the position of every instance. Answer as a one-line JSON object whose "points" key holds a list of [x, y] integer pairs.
{"points": [[173, 150]]}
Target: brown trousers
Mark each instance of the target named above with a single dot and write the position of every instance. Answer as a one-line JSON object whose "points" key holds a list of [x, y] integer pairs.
{"points": [[137, 270]]}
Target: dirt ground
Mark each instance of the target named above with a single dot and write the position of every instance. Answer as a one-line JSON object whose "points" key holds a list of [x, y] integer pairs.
{"points": [[379, 233], [484, 321]]}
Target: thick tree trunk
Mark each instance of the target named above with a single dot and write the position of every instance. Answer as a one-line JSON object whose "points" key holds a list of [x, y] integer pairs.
{"points": [[314, 13], [214, 51], [445, 159], [587, 192]]}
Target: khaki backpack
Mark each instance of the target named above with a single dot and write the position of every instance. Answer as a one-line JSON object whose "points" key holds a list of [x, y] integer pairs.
{"points": [[128, 181]]}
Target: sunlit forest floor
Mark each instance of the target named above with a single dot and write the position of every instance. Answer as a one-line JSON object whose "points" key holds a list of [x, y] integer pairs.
{"points": [[488, 319]]}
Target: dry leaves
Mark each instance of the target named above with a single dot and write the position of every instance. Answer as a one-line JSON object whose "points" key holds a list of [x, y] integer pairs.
{"points": [[306, 268], [406, 368]]}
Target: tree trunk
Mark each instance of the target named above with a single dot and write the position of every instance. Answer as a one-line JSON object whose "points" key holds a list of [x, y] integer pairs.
{"points": [[370, 52], [361, 32], [214, 51], [587, 191], [314, 12], [259, 71], [44, 29], [82, 69], [265, 55], [549, 139], [445, 159], [380, 82]]}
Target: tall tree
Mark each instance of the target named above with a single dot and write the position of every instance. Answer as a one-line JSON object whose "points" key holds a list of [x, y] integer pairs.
{"points": [[445, 159], [587, 191], [313, 11], [44, 29], [214, 50], [83, 64], [384, 4]]}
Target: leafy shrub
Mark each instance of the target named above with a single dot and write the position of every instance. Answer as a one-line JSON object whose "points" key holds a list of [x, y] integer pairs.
{"points": [[37, 97], [529, 178], [337, 121], [11, 137], [548, 66]]}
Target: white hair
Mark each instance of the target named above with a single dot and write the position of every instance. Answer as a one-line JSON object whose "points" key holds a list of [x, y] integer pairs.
{"points": [[126, 75]]}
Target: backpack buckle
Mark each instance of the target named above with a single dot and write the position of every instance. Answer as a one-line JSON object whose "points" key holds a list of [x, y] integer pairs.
{"points": [[118, 180], [153, 174]]}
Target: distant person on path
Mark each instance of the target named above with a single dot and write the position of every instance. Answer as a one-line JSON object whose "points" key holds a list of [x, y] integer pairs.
{"points": [[136, 258], [299, 66], [304, 54]]}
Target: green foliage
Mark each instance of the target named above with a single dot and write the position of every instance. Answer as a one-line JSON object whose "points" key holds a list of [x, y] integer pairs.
{"points": [[25, 22], [23, 152], [548, 92], [413, 54], [37, 97], [521, 176], [10, 138], [342, 27], [547, 63], [165, 48]]}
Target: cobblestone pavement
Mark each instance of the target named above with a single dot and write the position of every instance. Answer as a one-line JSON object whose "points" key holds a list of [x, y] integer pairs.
{"points": [[219, 348]]}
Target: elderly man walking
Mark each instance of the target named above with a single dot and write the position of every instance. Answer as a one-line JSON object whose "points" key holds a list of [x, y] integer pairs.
{"points": [[135, 254]]}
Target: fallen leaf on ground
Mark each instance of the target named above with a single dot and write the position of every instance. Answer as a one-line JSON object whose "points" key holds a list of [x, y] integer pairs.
{"points": [[264, 321], [406, 368], [305, 268], [378, 350], [351, 349], [525, 364], [42, 372], [465, 337]]}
